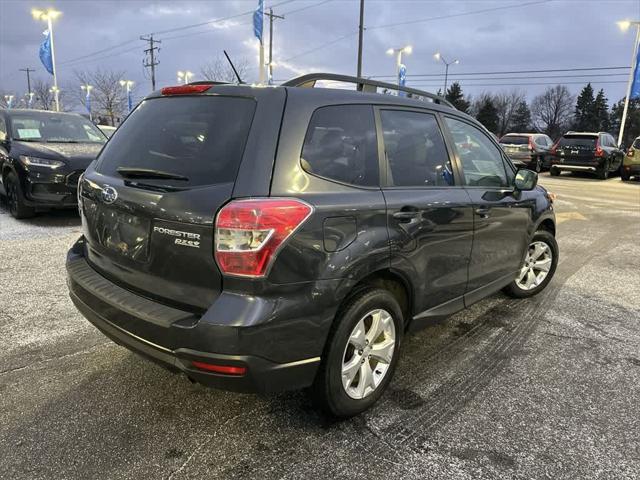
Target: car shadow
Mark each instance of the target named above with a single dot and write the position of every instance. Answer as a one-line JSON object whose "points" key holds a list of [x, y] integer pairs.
{"points": [[53, 218]]}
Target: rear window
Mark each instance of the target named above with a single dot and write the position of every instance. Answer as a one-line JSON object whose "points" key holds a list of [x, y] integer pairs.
{"points": [[201, 138], [577, 141], [48, 127], [515, 140]]}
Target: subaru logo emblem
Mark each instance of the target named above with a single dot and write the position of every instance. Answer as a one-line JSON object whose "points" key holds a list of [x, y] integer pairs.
{"points": [[109, 194]]}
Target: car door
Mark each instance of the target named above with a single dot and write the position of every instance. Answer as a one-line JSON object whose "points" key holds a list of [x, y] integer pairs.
{"points": [[502, 216], [429, 216], [617, 155]]}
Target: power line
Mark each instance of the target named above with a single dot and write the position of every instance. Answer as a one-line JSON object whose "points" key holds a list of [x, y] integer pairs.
{"points": [[429, 19], [107, 49], [454, 15], [505, 72], [513, 84]]}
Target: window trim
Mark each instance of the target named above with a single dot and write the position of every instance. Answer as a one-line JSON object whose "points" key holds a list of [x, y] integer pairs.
{"points": [[333, 180], [506, 161], [382, 160]]}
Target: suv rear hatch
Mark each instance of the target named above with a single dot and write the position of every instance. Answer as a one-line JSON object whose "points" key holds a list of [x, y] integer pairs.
{"points": [[517, 146], [577, 148], [149, 205]]}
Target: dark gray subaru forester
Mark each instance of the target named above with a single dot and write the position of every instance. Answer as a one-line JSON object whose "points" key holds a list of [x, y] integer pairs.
{"points": [[261, 239]]}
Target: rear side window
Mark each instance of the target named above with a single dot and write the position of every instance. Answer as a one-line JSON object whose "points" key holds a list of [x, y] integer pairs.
{"points": [[636, 144], [415, 150], [341, 145], [201, 138], [515, 140]]}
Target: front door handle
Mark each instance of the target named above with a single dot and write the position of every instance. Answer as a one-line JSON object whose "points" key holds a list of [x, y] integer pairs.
{"points": [[483, 212]]}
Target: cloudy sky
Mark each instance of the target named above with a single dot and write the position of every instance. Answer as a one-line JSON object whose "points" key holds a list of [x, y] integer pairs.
{"points": [[486, 36]]}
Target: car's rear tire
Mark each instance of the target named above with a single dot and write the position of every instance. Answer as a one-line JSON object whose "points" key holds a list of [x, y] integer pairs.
{"points": [[603, 173], [624, 175], [15, 198], [538, 267], [353, 376], [554, 172]]}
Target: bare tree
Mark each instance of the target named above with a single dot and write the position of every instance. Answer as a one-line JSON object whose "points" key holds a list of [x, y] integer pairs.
{"points": [[552, 111], [507, 104], [43, 97], [219, 70], [108, 98]]}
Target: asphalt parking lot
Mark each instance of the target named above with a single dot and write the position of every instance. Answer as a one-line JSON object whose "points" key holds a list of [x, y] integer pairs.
{"points": [[541, 388]]}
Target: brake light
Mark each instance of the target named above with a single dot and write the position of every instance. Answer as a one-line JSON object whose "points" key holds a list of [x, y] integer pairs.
{"points": [[186, 89], [599, 151], [225, 369], [249, 233]]}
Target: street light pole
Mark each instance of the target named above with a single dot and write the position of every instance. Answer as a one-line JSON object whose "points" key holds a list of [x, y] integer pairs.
{"points": [[398, 52], [87, 102], [360, 38], [625, 26], [127, 84], [438, 56]]}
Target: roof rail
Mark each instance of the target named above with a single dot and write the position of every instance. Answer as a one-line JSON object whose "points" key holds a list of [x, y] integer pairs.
{"points": [[364, 85]]}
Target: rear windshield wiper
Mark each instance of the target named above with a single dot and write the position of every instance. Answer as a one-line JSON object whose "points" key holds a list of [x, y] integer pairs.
{"points": [[133, 172]]}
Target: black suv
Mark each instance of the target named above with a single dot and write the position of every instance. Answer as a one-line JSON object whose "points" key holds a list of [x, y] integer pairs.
{"points": [[586, 152], [42, 155], [261, 239]]}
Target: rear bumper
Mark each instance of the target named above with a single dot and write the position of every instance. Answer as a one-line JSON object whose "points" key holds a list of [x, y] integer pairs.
{"points": [[175, 338]]}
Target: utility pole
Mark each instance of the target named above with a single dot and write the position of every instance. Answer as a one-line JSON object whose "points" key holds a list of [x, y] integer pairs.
{"points": [[271, 16], [151, 61], [360, 35], [28, 70]]}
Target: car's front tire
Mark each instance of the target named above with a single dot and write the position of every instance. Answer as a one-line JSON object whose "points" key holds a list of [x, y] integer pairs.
{"points": [[15, 198], [361, 353], [538, 267]]}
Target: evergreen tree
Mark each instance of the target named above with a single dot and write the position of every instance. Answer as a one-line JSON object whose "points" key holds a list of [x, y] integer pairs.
{"points": [[488, 114], [601, 112], [585, 115], [522, 118], [456, 97], [632, 125]]}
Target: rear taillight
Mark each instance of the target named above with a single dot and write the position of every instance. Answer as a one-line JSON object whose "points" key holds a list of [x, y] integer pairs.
{"points": [[530, 144], [249, 233], [599, 151], [186, 89]]}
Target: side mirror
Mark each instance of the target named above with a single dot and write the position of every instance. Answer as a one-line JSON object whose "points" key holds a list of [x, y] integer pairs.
{"points": [[526, 180]]}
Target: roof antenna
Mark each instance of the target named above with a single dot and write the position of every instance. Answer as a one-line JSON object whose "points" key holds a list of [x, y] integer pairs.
{"points": [[232, 66]]}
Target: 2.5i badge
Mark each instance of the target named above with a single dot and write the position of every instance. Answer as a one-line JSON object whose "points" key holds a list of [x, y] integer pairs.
{"points": [[186, 239]]}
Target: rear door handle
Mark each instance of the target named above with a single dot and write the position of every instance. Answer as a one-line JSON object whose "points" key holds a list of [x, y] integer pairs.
{"points": [[483, 212], [406, 215]]}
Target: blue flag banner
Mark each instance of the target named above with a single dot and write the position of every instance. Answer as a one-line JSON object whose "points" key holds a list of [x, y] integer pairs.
{"points": [[45, 52], [635, 86], [258, 17], [402, 79]]}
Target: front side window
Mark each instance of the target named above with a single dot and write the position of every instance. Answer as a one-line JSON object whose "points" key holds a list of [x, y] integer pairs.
{"points": [[341, 145], [414, 150], [481, 160]]}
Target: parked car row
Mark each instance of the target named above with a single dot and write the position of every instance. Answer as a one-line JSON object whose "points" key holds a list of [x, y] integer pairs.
{"points": [[591, 152]]}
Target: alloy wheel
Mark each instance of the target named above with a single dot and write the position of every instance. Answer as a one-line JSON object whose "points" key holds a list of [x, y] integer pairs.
{"points": [[368, 354], [536, 266]]}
